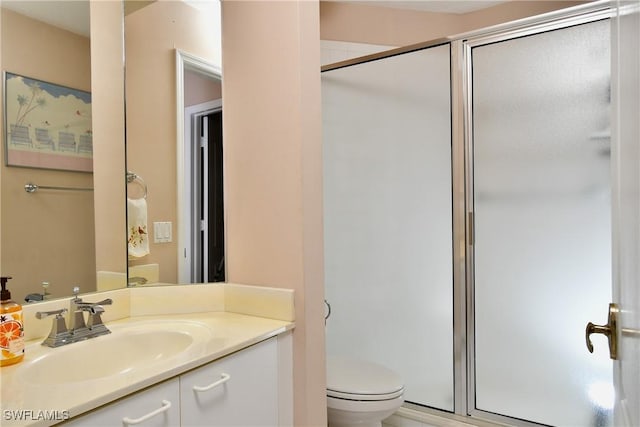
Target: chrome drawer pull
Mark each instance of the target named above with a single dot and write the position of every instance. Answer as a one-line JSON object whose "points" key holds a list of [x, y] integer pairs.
{"points": [[223, 379], [165, 407]]}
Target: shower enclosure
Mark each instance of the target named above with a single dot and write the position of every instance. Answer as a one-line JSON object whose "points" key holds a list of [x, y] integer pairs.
{"points": [[384, 137], [468, 220]]}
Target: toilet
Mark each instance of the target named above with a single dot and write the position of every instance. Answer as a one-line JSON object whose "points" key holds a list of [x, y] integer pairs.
{"points": [[361, 393]]}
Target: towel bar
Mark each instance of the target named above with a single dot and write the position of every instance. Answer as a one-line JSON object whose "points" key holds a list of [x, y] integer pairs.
{"points": [[32, 188], [131, 177]]}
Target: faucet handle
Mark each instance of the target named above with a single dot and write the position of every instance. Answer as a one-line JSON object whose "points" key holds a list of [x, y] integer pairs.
{"points": [[45, 293], [57, 313], [59, 334], [94, 323], [76, 291], [94, 306]]}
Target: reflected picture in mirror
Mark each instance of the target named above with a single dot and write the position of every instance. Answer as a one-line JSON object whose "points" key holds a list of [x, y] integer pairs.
{"points": [[48, 126], [48, 235]]}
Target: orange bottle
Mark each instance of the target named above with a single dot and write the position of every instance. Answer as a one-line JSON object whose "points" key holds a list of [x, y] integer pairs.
{"points": [[11, 328]]}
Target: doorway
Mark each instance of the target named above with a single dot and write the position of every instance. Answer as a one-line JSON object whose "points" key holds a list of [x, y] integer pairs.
{"points": [[208, 257], [199, 153]]}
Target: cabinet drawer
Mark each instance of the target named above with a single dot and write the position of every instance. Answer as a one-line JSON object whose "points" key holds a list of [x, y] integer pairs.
{"points": [[238, 390], [157, 406]]}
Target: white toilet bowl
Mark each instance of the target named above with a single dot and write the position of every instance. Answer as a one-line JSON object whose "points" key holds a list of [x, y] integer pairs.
{"points": [[361, 394]]}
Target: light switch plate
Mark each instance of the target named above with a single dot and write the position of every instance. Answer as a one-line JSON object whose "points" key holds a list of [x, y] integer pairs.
{"points": [[162, 232]]}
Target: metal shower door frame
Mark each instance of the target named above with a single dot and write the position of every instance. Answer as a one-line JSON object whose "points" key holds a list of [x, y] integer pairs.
{"points": [[462, 92]]}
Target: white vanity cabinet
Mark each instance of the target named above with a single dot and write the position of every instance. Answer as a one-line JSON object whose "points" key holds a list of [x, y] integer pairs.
{"points": [[252, 387], [157, 406], [239, 390]]}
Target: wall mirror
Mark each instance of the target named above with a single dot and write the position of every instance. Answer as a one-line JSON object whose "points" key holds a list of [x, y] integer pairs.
{"points": [[173, 97], [50, 235]]}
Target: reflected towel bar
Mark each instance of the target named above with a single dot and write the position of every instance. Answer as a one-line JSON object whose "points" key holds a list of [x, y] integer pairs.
{"points": [[132, 176], [32, 188]]}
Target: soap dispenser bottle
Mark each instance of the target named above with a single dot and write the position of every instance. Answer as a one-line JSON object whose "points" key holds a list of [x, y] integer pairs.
{"points": [[11, 328]]}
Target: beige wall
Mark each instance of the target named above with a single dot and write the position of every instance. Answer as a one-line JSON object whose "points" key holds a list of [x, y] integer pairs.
{"points": [[2, 272], [273, 171], [107, 69], [46, 235], [152, 35], [398, 27]]}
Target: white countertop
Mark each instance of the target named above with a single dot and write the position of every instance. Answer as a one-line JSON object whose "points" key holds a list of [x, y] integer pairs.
{"points": [[230, 332]]}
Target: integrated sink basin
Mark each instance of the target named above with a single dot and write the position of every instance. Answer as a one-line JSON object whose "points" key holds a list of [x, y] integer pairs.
{"points": [[129, 348]]}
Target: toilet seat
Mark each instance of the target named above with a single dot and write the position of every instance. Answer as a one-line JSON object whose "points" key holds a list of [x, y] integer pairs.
{"points": [[358, 380], [364, 397]]}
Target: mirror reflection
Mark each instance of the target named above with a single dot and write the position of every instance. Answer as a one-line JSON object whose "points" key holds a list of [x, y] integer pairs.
{"points": [[174, 103], [47, 235]]}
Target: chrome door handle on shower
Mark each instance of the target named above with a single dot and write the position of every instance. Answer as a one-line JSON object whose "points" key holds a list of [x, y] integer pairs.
{"points": [[610, 330]]}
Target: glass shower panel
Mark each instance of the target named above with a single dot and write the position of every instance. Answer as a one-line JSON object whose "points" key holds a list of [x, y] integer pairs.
{"points": [[388, 218], [542, 201]]}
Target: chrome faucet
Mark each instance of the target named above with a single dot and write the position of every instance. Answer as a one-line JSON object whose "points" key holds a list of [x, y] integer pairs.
{"points": [[78, 329]]}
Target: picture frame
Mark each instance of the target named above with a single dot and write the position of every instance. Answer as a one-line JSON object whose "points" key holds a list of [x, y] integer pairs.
{"points": [[46, 125]]}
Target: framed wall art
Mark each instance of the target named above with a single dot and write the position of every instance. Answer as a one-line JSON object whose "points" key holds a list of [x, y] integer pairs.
{"points": [[46, 125]]}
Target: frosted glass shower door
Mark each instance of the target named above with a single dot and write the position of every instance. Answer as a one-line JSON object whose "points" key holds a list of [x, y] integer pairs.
{"points": [[542, 203], [388, 218]]}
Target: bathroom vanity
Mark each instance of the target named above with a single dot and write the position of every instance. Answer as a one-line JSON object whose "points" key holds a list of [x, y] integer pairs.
{"points": [[221, 356], [240, 389]]}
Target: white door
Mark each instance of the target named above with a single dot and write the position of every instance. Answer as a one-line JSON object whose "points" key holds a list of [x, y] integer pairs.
{"points": [[626, 236]]}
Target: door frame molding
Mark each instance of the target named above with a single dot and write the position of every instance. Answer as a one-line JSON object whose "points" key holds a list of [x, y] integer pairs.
{"points": [[186, 61]]}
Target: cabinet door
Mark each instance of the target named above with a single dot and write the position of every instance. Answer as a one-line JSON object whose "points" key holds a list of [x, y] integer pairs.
{"points": [[157, 406], [239, 390]]}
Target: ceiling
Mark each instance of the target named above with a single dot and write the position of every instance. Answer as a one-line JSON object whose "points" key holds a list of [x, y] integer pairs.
{"points": [[71, 15]]}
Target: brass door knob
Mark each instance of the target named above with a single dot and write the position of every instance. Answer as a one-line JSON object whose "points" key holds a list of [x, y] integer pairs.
{"points": [[610, 330]]}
